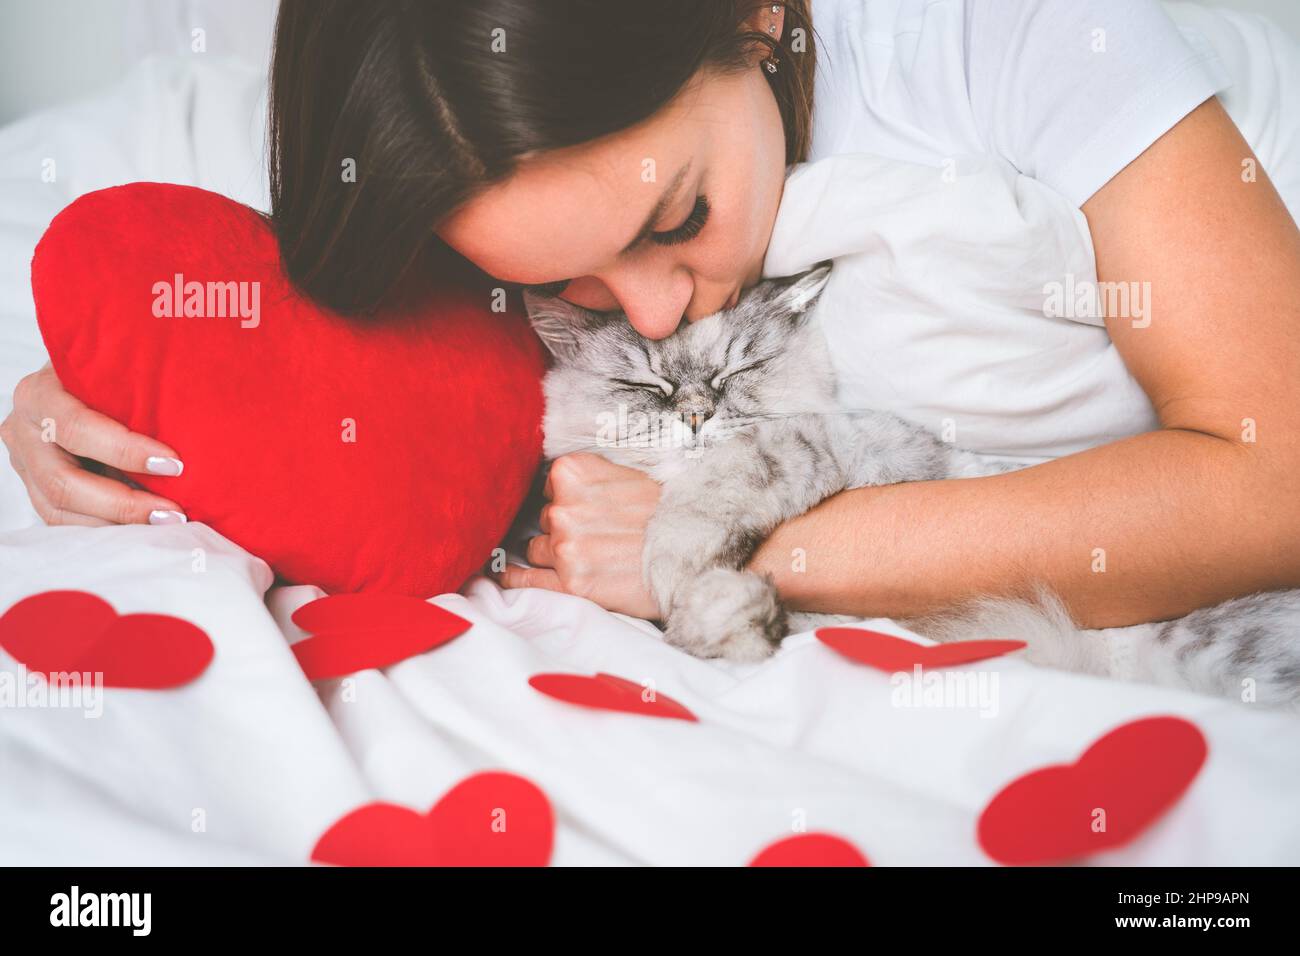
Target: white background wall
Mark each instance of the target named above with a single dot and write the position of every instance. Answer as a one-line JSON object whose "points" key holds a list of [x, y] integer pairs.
{"points": [[53, 50]]}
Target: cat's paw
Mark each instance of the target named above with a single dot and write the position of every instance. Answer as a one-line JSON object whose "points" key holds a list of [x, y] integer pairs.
{"points": [[723, 613]]}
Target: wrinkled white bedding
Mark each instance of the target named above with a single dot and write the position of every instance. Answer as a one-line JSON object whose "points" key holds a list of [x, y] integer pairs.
{"points": [[267, 761]]}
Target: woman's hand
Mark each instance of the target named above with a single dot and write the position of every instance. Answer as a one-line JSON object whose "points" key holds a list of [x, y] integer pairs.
{"points": [[593, 528], [46, 433]]}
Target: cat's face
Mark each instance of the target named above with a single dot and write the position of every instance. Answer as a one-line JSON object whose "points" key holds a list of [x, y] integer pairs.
{"points": [[640, 401]]}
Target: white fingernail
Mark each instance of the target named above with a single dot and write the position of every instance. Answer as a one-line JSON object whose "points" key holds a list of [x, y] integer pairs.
{"points": [[158, 465], [160, 516]]}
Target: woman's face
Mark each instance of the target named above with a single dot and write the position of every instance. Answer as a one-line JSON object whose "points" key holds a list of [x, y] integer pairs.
{"points": [[667, 219]]}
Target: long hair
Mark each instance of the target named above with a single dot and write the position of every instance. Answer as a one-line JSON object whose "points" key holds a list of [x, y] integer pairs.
{"points": [[387, 115]]}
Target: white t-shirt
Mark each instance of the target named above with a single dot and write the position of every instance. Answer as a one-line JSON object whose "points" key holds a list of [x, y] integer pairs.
{"points": [[936, 307]]}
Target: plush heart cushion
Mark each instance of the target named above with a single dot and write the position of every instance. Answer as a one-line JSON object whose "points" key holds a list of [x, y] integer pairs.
{"points": [[381, 453]]}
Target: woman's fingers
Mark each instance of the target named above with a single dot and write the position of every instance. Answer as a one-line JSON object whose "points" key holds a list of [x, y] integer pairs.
{"points": [[593, 534], [516, 576], [570, 472], [64, 420], [539, 551], [51, 515], [47, 434], [65, 493]]}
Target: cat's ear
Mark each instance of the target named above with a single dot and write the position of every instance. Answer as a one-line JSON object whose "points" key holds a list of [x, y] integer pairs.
{"points": [[557, 323], [797, 295]]}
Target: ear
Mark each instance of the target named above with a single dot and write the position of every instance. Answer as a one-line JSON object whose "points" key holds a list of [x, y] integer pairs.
{"points": [[797, 295], [763, 20], [558, 323]]}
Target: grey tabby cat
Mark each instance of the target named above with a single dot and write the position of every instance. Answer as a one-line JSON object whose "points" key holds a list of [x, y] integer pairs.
{"points": [[736, 416]]}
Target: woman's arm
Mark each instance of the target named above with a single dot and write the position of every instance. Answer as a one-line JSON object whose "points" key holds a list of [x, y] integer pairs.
{"points": [[1206, 508], [1184, 517]]}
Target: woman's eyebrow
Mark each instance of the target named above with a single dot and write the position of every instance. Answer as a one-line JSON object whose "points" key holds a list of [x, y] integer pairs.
{"points": [[665, 200]]}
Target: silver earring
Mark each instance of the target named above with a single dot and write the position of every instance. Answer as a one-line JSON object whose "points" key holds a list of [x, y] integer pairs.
{"points": [[776, 8], [772, 29], [769, 66]]}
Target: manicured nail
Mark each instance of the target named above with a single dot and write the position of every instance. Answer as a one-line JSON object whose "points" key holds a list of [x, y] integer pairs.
{"points": [[158, 465], [159, 516]]}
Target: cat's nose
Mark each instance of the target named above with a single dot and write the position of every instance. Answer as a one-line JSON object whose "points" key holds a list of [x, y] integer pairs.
{"points": [[697, 420], [693, 408]]}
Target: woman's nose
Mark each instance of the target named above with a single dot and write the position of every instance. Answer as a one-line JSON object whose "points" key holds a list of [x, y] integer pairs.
{"points": [[654, 302], [654, 309], [654, 314], [656, 325], [590, 293]]}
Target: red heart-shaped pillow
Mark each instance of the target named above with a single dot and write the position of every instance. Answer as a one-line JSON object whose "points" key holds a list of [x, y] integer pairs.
{"points": [[387, 452]]}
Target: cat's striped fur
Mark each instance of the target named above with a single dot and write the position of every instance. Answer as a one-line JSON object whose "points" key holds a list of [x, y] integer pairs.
{"points": [[743, 429]]}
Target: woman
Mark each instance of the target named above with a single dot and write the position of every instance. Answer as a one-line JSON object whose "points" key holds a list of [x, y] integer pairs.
{"points": [[631, 156]]}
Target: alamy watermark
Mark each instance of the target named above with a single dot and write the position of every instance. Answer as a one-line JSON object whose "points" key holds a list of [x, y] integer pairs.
{"points": [[65, 690], [1076, 298], [208, 300], [132, 911], [945, 689]]}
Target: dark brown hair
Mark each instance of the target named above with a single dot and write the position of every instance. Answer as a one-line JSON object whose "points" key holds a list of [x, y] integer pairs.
{"points": [[422, 100]]}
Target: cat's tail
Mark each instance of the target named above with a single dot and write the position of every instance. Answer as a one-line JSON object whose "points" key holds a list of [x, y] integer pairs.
{"points": [[1247, 649], [1042, 622]]}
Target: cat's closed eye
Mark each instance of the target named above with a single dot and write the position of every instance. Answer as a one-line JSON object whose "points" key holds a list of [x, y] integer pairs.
{"points": [[725, 374], [663, 386]]}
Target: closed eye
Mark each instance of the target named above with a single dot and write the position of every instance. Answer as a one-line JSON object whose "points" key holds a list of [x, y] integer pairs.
{"points": [[723, 376], [689, 229], [665, 387]]}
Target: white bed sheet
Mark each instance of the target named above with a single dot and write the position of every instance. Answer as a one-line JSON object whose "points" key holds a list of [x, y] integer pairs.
{"points": [[806, 738]]}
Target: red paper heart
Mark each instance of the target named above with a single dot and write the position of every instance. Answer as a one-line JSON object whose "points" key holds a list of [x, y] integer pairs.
{"points": [[385, 452], [607, 692], [1134, 774], [889, 653], [811, 849], [355, 632], [489, 819], [76, 632]]}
